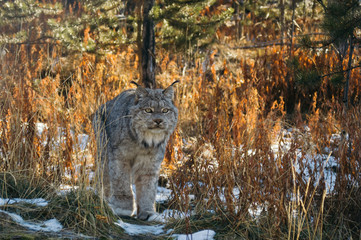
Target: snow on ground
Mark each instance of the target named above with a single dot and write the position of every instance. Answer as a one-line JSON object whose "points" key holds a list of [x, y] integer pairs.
{"points": [[171, 214], [163, 194], [135, 229], [52, 225], [40, 202], [320, 164], [323, 167], [202, 235], [81, 140]]}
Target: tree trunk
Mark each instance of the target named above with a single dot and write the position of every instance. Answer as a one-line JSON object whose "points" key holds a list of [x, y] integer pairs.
{"points": [[347, 84], [236, 19], [147, 48], [239, 16], [282, 19], [346, 136], [291, 94], [292, 27]]}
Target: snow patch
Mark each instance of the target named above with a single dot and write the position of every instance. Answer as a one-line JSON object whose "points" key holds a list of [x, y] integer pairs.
{"points": [[169, 214], [202, 235], [134, 229], [163, 194], [51, 225], [40, 202]]}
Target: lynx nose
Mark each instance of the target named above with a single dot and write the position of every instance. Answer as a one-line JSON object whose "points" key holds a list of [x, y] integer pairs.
{"points": [[158, 121]]}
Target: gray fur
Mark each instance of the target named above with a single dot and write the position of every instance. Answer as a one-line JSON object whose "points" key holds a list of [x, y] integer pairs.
{"points": [[131, 145]]}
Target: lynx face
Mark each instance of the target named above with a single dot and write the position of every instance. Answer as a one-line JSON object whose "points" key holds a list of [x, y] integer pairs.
{"points": [[154, 116]]}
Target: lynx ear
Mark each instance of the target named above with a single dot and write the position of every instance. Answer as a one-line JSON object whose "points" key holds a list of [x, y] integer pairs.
{"points": [[140, 92], [169, 91]]}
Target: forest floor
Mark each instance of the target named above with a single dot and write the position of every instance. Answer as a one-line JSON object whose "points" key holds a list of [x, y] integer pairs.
{"points": [[34, 218], [13, 224]]}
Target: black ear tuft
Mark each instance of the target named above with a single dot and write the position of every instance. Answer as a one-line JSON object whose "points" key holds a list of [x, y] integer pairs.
{"points": [[136, 84], [177, 81], [169, 91]]}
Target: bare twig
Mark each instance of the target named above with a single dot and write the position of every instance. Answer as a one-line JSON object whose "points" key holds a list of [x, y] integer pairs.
{"points": [[273, 43], [346, 70]]}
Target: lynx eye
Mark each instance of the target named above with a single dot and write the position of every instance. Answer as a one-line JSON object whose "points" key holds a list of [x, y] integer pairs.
{"points": [[165, 110], [148, 110]]}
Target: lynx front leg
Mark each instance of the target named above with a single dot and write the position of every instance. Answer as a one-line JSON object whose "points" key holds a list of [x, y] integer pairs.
{"points": [[121, 197], [146, 187]]}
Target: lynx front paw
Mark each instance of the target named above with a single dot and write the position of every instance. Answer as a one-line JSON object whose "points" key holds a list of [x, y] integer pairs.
{"points": [[148, 216], [122, 212], [122, 207]]}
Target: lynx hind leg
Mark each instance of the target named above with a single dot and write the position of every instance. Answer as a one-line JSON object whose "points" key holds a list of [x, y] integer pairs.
{"points": [[121, 197], [101, 139]]}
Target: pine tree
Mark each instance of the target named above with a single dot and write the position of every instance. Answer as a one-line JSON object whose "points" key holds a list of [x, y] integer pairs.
{"points": [[188, 24], [16, 18], [341, 19], [95, 26], [102, 25]]}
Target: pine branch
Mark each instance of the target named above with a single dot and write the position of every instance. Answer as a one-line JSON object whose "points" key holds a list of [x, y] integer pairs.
{"points": [[338, 72], [275, 43], [38, 41], [183, 2]]}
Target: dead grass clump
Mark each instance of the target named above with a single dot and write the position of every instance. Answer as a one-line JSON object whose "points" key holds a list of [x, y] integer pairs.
{"points": [[231, 167], [20, 185], [244, 160], [85, 212], [342, 217], [81, 210]]}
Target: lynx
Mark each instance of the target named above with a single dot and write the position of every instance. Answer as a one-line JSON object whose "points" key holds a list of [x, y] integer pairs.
{"points": [[132, 132]]}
